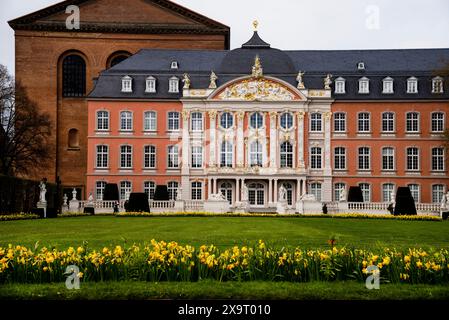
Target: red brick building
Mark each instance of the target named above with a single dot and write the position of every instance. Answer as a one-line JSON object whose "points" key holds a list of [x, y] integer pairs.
{"points": [[57, 65]]}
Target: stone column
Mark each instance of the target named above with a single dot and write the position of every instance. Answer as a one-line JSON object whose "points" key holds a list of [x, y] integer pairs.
{"points": [[237, 190], [327, 143], [275, 190], [185, 181], [212, 137], [240, 142], [209, 187], [273, 140], [270, 192], [298, 189], [215, 185], [300, 155]]}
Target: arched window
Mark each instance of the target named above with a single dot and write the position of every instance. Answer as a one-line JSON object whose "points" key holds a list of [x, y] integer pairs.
{"points": [[226, 120], [289, 188], [126, 121], [197, 190], [338, 189], [125, 190], [149, 123], [414, 190], [116, 58], [387, 189], [99, 190], [102, 120], [226, 154], [366, 191], [388, 122], [73, 76], [196, 121], [149, 187], [226, 191], [315, 189], [256, 120], [74, 139], [172, 187], [255, 154], [286, 120], [286, 155], [149, 157], [388, 158]]}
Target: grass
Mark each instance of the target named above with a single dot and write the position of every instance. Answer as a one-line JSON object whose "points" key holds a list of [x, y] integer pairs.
{"points": [[228, 290], [226, 231]]}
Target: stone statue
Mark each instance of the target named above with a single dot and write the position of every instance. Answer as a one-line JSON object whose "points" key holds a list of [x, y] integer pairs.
{"points": [[244, 192], [300, 80], [257, 68], [65, 198], [217, 197], [444, 200], [213, 79], [74, 194], [43, 191], [393, 196], [90, 199], [342, 195], [186, 81], [327, 82], [282, 193], [178, 194]]}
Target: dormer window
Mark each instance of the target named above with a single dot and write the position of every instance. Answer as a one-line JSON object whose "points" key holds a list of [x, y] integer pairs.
{"points": [[361, 65], [150, 84], [127, 84], [437, 85], [174, 65], [173, 85], [387, 85], [364, 85], [340, 85], [412, 85]]}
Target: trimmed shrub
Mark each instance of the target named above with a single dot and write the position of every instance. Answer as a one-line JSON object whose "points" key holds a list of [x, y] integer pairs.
{"points": [[405, 204], [38, 212], [161, 193], [445, 215], [111, 192], [355, 194], [138, 202]]}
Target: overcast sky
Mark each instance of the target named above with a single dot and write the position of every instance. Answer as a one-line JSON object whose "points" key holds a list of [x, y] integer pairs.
{"points": [[298, 24]]}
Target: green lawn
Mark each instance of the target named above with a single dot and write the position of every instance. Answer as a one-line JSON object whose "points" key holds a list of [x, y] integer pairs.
{"points": [[226, 231]]}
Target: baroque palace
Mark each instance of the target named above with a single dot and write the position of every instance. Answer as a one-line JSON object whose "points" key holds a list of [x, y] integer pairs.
{"points": [[254, 120]]}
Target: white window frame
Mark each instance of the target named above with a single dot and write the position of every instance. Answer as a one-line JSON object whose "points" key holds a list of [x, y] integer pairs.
{"points": [[255, 116], [417, 191], [174, 65], [197, 157], [150, 157], [338, 188], [126, 119], [173, 85], [126, 157], [437, 85], [391, 161], [286, 120], [172, 155], [196, 121], [363, 158], [387, 122], [226, 120], [256, 154], [172, 188], [99, 189], [127, 84], [316, 188], [413, 122], [316, 122], [339, 158], [341, 121], [364, 85], [173, 117], [386, 193], [287, 156], [412, 161], [103, 120], [197, 190], [124, 187], [316, 158], [226, 154], [340, 86], [361, 122], [102, 157], [436, 198], [388, 85], [439, 126], [150, 121], [149, 187], [150, 84], [412, 85], [438, 160], [366, 191]]}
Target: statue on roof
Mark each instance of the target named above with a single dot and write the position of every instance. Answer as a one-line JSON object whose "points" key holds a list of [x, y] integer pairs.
{"points": [[213, 79], [257, 68], [327, 82], [300, 80], [186, 81]]}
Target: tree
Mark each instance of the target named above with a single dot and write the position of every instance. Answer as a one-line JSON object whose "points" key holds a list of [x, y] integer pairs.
{"points": [[24, 133]]}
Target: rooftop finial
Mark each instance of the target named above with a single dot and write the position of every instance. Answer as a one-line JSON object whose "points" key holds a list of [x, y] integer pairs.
{"points": [[255, 24]]}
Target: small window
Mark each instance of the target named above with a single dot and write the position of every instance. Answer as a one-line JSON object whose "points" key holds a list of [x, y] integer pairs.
{"points": [[387, 86], [361, 65], [173, 85], [150, 85], [412, 85], [127, 84], [174, 65], [256, 120], [286, 120], [364, 85], [226, 120], [437, 85], [340, 86]]}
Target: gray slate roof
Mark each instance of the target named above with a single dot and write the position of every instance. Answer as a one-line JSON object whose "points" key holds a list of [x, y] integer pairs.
{"points": [[424, 64]]}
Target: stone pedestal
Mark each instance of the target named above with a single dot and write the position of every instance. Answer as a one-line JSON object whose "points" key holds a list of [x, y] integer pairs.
{"points": [[217, 206], [281, 207], [43, 205], [241, 207], [309, 205], [74, 205], [343, 207], [179, 206]]}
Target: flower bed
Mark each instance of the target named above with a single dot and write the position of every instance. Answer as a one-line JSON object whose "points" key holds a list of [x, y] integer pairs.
{"points": [[337, 216], [162, 261], [18, 216]]}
